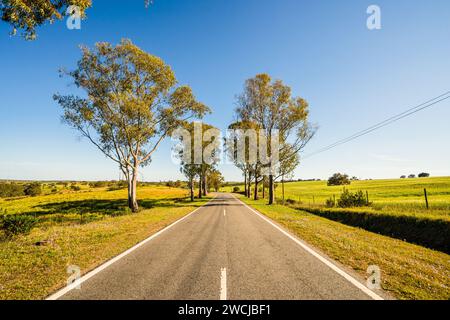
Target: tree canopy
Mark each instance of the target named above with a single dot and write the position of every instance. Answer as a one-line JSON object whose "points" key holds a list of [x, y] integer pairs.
{"points": [[269, 104], [27, 15]]}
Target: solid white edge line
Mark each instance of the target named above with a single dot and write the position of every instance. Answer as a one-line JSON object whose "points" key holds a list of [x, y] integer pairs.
{"points": [[344, 274], [58, 294], [223, 284]]}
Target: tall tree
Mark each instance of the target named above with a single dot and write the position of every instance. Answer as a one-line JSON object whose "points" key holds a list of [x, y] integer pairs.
{"points": [[238, 145], [188, 167], [271, 106], [132, 103], [26, 15], [215, 179], [289, 162], [198, 152]]}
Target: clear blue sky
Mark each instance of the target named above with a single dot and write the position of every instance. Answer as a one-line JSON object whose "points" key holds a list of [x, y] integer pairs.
{"points": [[351, 76]]}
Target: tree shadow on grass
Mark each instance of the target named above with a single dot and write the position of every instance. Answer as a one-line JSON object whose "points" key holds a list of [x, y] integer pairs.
{"points": [[85, 211]]}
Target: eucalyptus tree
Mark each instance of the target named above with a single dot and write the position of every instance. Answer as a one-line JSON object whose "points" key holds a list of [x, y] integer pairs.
{"points": [[288, 163], [240, 147], [26, 15], [198, 150], [280, 116], [132, 102], [215, 179]]}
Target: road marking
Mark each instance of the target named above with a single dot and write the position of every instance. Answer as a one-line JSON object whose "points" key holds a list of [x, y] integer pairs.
{"points": [[223, 284], [102, 267], [331, 265], [224, 213]]}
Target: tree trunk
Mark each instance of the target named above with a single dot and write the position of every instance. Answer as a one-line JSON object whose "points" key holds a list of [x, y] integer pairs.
{"points": [[245, 182], [200, 187], [132, 185], [191, 186], [256, 188], [271, 190], [249, 187], [282, 187], [204, 186], [263, 189]]}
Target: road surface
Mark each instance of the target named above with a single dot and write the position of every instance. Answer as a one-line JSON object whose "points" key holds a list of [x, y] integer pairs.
{"points": [[224, 250]]}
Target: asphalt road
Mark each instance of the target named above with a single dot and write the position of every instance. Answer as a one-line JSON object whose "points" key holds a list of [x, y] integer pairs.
{"points": [[222, 251]]}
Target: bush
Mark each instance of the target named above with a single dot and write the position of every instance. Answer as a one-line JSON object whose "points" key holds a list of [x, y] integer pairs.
{"points": [[291, 202], [16, 224], [33, 189], [98, 184], [411, 176], [8, 190], [75, 188], [349, 199], [338, 179], [424, 175], [330, 203], [236, 189]]}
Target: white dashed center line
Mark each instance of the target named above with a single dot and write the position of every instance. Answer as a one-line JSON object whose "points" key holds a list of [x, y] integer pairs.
{"points": [[223, 284]]}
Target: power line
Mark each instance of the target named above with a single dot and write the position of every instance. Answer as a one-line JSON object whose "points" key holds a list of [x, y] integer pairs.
{"points": [[386, 122]]}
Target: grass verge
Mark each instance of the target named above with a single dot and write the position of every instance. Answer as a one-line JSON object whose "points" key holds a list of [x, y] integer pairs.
{"points": [[431, 233], [408, 271], [33, 266]]}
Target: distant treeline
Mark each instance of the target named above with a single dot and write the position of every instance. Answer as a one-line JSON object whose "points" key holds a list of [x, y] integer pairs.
{"points": [[11, 189]]}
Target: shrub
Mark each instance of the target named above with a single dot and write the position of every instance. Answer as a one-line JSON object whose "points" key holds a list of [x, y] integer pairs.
{"points": [[15, 224], [236, 189], [424, 175], [33, 189], [349, 199], [75, 188], [403, 177], [291, 202], [330, 203], [338, 179], [8, 190], [98, 184], [411, 176]]}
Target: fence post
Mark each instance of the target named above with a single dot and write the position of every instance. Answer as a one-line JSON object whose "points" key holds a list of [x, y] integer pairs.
{"points": [[426, 197], [367, 197]]}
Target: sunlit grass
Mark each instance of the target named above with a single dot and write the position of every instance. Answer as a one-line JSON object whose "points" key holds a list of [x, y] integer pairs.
{"points": [[33, 266]]}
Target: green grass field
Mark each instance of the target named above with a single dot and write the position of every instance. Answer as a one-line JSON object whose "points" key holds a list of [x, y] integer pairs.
{"points": [[83, 228], [398, 207], [397, 196]]}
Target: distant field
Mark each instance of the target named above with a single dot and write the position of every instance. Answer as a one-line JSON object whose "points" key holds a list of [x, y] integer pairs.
{"points": [[405, 196], [83, 228], [398, 207]]}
